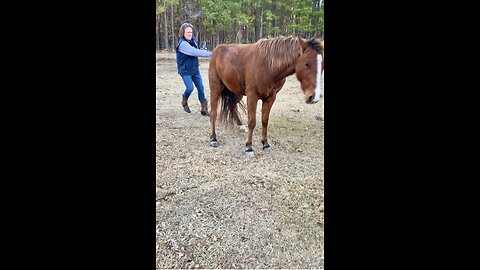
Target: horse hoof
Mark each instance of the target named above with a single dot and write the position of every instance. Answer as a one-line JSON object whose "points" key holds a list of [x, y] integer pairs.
{"points": [[214, 143], [267, 149], [249, 153]]}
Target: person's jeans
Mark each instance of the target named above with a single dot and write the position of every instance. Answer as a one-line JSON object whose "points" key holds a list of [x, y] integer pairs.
{"points": [[189, 80]]}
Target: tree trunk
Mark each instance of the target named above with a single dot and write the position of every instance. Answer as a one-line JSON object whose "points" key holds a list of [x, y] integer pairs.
{"points": [[261, 22], [239, 36], [165, 31], [200, 24], [158, 32], [173, 27], [315, 7], [274, 21], [282, 20], [180, 13], [258, 22], [319, 8], [297, 22], [188, 9]]}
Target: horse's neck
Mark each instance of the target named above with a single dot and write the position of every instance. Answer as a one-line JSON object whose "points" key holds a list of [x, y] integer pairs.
{"points": [[282, 61], [288, 70]]}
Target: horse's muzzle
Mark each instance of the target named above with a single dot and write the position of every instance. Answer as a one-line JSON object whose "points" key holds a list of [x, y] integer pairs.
{"points": [[311, 100]]}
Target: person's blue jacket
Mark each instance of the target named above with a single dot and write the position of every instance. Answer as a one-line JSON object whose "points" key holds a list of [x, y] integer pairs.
{"points": [[187, 57]]}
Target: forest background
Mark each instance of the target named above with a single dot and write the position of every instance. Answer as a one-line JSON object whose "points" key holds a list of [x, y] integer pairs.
{"points": [[237, 21]]}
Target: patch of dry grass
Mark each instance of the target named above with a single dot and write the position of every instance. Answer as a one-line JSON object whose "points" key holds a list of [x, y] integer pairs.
{"points": [[217, 208]]}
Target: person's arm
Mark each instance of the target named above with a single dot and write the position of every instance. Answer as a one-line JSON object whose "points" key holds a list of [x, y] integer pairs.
{"points": [[192, 51]]}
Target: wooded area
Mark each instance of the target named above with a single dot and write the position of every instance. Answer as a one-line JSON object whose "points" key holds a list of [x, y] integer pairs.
{"points": [[237, 21]]}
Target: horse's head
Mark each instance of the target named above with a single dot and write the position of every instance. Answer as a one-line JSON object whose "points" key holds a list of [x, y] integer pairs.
{"points": [[309, 69]]}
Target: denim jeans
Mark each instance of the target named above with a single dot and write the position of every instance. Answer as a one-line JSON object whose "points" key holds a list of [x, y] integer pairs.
{"points": [[189, 80]]}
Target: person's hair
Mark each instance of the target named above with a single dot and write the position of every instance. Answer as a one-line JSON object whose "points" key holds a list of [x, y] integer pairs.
{"points": [[181, 32]]}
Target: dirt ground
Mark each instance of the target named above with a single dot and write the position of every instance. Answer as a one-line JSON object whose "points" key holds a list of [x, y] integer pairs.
{"points": [[217, 208]]}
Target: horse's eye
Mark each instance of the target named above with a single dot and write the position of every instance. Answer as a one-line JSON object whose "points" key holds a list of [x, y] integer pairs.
{"points": [[307, 65]]}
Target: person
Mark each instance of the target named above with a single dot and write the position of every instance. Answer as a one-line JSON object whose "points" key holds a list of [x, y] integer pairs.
{"points": [[187, 65]]}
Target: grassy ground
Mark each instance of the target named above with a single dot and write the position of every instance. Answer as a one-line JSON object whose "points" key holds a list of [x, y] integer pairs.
{"points": [[217, 208]]}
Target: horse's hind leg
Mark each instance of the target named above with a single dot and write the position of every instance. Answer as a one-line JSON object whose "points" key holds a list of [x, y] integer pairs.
{"points": [[239, 103], [216, 87], [251, 112], [266, 107]]}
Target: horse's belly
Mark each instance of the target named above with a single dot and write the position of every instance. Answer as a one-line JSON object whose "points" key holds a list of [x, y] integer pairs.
{"points": [[236, 88], [234, 82]]}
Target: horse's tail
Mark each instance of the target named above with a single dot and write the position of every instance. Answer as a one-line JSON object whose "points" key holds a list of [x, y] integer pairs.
{"points": [[229, 113]]}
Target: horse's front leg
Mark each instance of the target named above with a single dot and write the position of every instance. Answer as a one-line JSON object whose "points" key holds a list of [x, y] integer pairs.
{"points": [[251, 114], [266, 107]]}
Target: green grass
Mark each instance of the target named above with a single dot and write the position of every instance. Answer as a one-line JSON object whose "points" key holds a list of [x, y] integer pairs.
{"points": [[295, 134]]}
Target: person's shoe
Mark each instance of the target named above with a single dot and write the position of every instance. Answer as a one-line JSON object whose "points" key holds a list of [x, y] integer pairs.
{"points": [[185, 104], [204, 110]]}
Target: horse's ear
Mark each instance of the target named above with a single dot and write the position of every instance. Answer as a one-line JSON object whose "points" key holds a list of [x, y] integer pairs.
{"points": [[302, 43]]}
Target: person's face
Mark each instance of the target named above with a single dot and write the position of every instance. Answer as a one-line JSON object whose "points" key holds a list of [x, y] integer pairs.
{"points": [[188, 33]]}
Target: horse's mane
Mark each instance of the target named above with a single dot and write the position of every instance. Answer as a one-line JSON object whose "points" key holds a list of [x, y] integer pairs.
{"points": [[316, 45], [280, 52]]}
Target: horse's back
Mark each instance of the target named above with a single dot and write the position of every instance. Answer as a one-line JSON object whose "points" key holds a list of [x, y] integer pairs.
{"points": [[232, 54], [229, 63]]}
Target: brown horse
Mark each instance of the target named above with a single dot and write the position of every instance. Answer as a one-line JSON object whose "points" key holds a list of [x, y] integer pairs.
{"points": [[259, 71]]}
